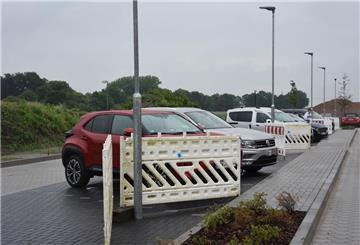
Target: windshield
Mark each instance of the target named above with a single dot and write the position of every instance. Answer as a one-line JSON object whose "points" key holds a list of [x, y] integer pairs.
{"points": [[296, 117], [207, 120], [167, 124], [316, 115], [283, 117]]}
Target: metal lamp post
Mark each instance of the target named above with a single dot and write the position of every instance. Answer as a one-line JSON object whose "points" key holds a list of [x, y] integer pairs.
{"points": [[138, 212], [311, 87], [324, 69], [335, 99], [107, 94], [272, 9]]}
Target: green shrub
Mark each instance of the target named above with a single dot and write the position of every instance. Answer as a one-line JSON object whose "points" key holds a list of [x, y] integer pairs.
{"points": [[261, 234], [29, 125], [220, 217], [257, 203], [201, 240]]}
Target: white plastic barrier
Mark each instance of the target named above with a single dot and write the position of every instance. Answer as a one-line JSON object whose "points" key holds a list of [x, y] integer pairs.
{"points": [[326, 121], [290, 136], [336, 122], [182, 168], [277, 131], [107, 167]]}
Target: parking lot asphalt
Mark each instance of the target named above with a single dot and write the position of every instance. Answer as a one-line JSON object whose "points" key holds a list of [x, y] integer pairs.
{"points": [[42, 209]]}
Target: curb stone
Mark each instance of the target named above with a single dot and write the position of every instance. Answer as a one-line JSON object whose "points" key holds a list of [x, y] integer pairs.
{"points": [[29, 160], [307, 228]]}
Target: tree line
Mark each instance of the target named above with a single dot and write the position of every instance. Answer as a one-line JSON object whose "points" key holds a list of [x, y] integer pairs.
{"points": [[30, 86]]}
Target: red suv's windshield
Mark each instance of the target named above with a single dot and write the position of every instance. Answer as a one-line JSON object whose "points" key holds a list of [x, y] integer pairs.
{"points": [[167, 124]]}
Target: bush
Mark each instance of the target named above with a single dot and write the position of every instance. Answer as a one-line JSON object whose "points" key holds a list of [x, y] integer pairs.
{"points": [[287, 201], [261, 234], [257, 203], [221, 216], [28, 125]]}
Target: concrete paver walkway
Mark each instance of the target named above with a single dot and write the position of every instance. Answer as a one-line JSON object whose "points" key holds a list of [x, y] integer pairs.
{"points": [[305, 175], [340, 222]]}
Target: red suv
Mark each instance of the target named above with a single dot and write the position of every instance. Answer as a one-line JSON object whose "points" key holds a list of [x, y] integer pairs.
{"points": [[82, 151]]}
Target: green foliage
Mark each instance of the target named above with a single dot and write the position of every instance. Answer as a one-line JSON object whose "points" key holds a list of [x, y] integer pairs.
{"points": [[292, 99], [199, 240], [256, 204], [28, 125], [261, 234], [234, 241], [220, 217]]}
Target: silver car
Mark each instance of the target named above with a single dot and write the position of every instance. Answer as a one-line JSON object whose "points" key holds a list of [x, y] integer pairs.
{"points": [[258, 148]]}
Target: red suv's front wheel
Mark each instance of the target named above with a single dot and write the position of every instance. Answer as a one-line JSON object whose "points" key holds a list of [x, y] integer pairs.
{"points": [[75, 172]]}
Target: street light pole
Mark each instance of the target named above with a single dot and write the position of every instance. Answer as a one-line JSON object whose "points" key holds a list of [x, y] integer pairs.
{"points": [[324, 69], [255, 97], [138, 212], [107, 94], [335, 99], [272, 9], [311, 87]]}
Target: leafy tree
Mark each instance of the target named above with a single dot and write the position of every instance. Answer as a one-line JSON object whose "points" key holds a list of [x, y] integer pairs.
{"points": [[293, 95], [16, 84], [121, 89]]}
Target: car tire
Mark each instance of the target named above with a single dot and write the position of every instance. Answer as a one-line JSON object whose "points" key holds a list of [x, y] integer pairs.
{"points": [[75, 172], [254, 169]]}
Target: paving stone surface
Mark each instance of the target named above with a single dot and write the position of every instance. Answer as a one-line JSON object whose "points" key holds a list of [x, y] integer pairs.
{"points": [[305, 175], [340, 222]]}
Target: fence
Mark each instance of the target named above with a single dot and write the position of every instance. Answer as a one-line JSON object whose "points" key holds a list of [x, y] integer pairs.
{"points": [[182, 168], [290, 136], [107, 160]]}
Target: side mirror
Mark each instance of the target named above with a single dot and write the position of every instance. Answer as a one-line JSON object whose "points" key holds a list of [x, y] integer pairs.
{"points": [[268, 120], [128, 131]]}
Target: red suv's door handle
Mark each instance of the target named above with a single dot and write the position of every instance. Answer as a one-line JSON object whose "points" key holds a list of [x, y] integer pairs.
{"points": [[84, 137]]}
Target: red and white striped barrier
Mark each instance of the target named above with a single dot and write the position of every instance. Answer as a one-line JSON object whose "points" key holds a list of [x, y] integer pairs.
{"points": [[278, 130], [294, 136]]}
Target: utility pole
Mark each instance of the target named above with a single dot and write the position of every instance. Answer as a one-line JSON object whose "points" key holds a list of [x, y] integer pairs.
{"points": [[335, 99], [138, 212]]}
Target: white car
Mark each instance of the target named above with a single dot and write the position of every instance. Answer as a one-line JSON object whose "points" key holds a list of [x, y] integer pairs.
{"points": [[256, 117], [258, 148]]}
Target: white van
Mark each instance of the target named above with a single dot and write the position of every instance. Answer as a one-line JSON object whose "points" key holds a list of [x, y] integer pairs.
{"points": [[255, 117]]}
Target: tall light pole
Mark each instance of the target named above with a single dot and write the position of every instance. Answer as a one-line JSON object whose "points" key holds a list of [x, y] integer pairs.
{"points": [[138, 212], [107, 94], [324, 69], [335, 98], [311, 87], [272, 9]]}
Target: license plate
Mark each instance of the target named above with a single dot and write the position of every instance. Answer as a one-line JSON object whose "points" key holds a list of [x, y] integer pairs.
{"points": [[270, 152], [323, 133]]}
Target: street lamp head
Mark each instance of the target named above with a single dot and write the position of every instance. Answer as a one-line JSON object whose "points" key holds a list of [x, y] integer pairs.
{"points": [[322, 67], [309, 53], [270, 8], [335, 79], [104, 82]]}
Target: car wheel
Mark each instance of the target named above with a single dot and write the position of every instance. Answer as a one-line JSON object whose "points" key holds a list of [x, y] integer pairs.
{"points": [[75, 172], [254, 169]]}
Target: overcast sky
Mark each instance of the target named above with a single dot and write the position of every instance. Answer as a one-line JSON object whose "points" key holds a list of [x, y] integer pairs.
{"points": [[210, 47]]}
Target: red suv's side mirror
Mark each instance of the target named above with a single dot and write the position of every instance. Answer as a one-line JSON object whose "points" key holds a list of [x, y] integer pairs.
{"points": [[128, 131]]}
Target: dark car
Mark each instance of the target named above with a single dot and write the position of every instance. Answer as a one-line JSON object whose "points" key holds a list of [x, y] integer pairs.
{"points": [[82, 151], [318, 131]]}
